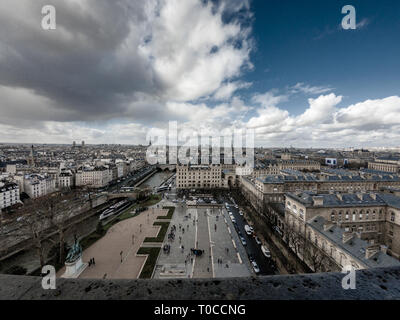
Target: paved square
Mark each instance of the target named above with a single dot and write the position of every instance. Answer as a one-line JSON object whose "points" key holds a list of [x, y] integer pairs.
{"points": [[127, 237], [204, 229]]}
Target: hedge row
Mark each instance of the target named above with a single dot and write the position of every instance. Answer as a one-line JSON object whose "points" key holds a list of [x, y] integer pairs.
{"points": [[169, 215], [148, 268], [161, 234]]}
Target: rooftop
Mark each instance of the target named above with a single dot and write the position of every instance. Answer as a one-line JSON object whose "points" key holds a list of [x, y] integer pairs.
{"points": [[356, 247], [347, 199]]}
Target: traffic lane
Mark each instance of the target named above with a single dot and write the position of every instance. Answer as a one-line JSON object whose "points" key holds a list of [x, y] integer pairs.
{"points": [[252, 247]]}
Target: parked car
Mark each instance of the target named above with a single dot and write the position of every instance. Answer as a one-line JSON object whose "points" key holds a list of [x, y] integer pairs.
{"points": [[258, 241], [233, 220], [241, 213], [243, 240], [248, 229], [266, 251], [255, 267]]}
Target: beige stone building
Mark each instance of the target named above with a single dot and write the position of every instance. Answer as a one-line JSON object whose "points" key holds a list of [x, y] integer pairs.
{"points": [[272, 188], [357, 229], [198, 176], [93, 177], [273, 167], [391, 164]]}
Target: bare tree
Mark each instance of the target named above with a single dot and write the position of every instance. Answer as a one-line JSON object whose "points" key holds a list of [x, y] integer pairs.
{"points": [[58, 209], [34, 224], [316, 258], [45, 215]]}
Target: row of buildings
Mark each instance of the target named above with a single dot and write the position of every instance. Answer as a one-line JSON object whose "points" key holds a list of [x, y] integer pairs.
{"points": [[385, 164], [329, 217], [333, 218], [39, 171], [356, 229]]}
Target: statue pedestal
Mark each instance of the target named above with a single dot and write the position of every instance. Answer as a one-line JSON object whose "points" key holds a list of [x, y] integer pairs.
{"points": [[74, 269]]}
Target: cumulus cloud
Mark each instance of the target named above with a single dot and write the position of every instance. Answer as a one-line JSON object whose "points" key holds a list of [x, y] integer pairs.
{"points": [[117, 58], [319, 110], [323, 123], [114, 69], [307, 89]]}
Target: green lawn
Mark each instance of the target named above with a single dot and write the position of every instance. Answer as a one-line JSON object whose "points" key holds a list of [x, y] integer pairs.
{"points": [[169, 215], [161, 234], [148, 268], [90, 239], [127, 214]]}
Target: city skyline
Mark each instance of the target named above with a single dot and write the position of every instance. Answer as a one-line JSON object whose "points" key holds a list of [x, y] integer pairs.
{"points": [[307, 84]]}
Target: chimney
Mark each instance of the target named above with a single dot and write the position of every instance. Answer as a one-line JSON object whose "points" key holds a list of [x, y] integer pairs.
{"points": [[339, 195], [328, 225], [318, 200], [373, 195], [347, 236], [360, 196], [372, 251], [384, 249]]}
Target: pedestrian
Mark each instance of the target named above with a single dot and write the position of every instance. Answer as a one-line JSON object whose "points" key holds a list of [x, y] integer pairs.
{"points": [[94, 262], [90, 262]]}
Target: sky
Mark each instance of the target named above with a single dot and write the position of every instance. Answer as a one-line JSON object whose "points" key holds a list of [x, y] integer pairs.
{"points": [[116, 71]]}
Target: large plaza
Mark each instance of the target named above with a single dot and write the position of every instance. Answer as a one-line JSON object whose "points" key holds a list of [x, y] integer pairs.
{"points": [[115, 254], [205, 229]]}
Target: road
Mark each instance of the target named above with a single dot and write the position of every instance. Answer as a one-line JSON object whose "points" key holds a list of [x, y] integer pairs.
{"points": [[265, 264]]}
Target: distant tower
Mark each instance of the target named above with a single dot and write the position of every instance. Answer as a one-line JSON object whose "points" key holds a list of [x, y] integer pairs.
{"points": [[83, 144], [31, 159], [73, 144]]}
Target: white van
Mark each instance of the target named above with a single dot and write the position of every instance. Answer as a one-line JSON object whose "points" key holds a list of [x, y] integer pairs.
{"points": [[266, 251], [248, 229]]}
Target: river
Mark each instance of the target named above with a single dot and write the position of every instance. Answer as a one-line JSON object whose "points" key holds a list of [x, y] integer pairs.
{"points": [[157, 179]]}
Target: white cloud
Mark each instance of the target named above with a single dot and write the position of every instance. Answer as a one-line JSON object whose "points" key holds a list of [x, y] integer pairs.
{"points": [[192, 51], [269, 99], [319, 110], [368, 123], [226, 91], [307, 89]]}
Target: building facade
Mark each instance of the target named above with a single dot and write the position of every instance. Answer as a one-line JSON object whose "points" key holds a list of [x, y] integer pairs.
{"points": [[391, 165], [9, 194], [38, 185], [198, 176], [371, 217], [93, 177]]}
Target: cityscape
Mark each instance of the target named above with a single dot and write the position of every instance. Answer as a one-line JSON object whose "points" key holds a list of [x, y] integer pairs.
{"points": [[199, 150]]}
